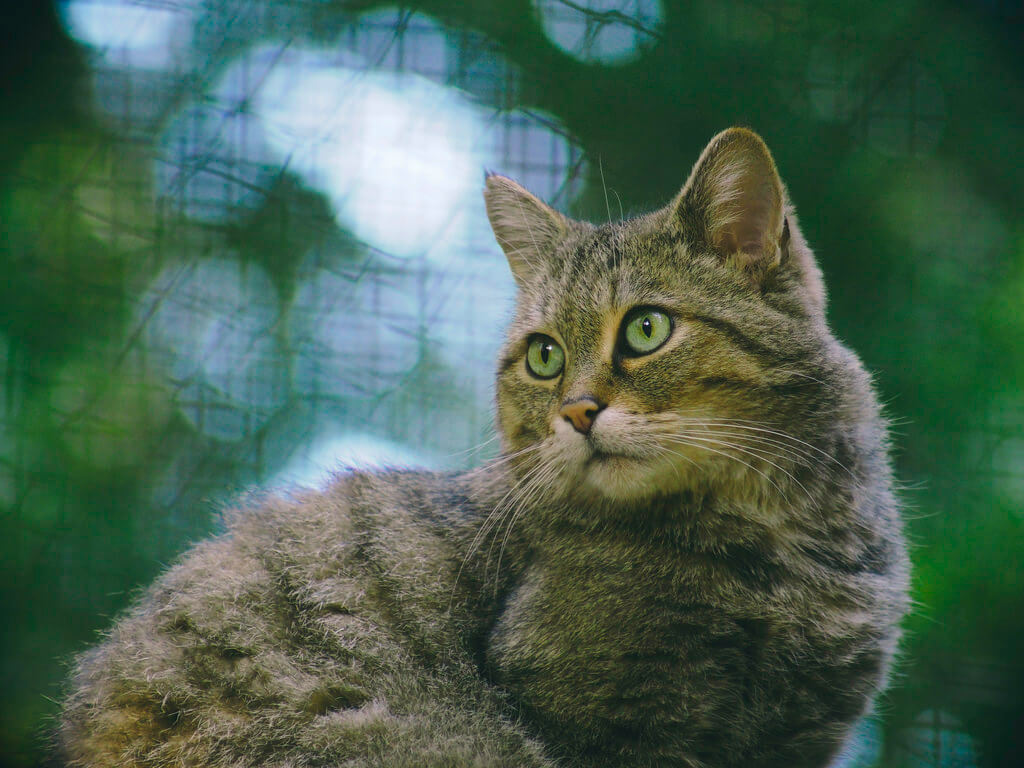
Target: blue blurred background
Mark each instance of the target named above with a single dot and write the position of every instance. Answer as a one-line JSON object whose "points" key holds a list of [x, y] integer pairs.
{"points": [[243, 244]]}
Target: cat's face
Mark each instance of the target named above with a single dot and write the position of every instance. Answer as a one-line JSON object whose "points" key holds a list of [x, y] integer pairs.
{"points": [[657, 354]]}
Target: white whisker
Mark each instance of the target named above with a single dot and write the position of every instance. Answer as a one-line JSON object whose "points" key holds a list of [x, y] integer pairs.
{"points": [[793, 453], [802, 375], [497, 462], [512, 501], [621, 214], [756, 426], [473, 449], [496, 513], [526, 502], [751, 467], [757, 454], [604, 186]]}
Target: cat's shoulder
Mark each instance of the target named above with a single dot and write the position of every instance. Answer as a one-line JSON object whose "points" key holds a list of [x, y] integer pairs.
{"points": [[265, 534], [353, 505], [309, 551]]}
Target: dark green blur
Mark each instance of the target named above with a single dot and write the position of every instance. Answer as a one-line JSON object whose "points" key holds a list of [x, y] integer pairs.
{"points": [[897, 128]]}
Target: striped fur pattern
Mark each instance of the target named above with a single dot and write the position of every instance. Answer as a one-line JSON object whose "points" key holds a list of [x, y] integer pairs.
{"points": [[705, 570]]}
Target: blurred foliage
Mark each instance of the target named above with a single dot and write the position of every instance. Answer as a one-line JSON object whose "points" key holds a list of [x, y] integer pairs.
{"points": [[897, 127]]}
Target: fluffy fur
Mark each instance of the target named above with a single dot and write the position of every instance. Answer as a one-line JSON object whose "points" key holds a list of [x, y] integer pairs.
{"points": [[711, 575]]}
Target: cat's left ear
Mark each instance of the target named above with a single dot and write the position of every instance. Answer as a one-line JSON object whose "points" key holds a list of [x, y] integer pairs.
{"points": [[527, 229], [734, 198]]}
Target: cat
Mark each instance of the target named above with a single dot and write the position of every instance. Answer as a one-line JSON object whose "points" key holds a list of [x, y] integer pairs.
{"points": [[689, 552]]}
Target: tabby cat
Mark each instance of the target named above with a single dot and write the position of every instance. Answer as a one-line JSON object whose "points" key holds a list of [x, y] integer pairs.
{"points": [[688, 554]]}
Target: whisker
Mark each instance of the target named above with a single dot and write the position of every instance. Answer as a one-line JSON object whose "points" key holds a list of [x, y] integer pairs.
{"points": [[762, 427], [794, 454], [537, 477], [498, 461], [495, 514], [527, 501], [661, 449], [682, 441], [472, 449], [621, 214], [758, 454], [600, 167], [684, 457], [802, 375], [498, 510], [512, 500]]}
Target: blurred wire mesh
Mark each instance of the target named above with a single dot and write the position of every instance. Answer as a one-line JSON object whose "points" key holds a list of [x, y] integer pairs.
{"points": [[257, 252], [377, 321]]}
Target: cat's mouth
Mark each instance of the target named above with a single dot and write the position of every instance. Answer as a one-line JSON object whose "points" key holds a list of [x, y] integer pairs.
{"points": [[599, 456], [610, 467], [611, 462]]}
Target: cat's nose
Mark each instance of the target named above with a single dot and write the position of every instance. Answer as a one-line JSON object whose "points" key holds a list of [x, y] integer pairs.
{"points": [[581, 413]]}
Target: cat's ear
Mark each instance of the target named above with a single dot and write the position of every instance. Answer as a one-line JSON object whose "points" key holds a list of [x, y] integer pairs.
{"points": [[734, 197], [526, 228]]}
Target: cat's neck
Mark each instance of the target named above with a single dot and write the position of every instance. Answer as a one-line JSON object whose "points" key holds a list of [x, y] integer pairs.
{"points": [[690, 521], [502, 543]]}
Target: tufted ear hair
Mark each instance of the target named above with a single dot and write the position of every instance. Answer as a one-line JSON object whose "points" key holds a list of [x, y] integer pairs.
{"points": [[526, 228], [734, 196]]}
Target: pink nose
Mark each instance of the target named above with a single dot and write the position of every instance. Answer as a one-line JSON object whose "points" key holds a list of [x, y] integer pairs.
{"points": [[581, 413]]}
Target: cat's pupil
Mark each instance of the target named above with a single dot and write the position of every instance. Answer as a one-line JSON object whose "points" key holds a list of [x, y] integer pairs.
{"points": [[647, 327], [545, 352]]}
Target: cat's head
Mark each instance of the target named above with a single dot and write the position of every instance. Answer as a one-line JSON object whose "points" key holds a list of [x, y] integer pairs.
{"points": [[676, 349]]}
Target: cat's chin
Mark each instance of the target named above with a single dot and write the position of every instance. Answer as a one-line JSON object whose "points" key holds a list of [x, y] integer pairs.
{"points": [[617, 478]]}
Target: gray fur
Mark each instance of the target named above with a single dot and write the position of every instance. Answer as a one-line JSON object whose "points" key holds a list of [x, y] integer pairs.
{"points": [[712, 576]]}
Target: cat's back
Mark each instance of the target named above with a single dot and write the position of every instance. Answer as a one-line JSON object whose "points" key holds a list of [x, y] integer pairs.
{"points": [[311, 626]]}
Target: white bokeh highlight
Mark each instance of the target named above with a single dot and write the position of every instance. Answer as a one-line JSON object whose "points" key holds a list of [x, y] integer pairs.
{"points": [[386, 329], [337, 450], [396, 154], [210, 327], [606, 32], [131, 33]]}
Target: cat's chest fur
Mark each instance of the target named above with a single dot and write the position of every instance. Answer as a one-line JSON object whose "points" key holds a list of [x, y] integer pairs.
{"points": [[606, 641]]}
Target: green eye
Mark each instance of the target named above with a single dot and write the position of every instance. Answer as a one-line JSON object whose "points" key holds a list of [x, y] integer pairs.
{"points": [[544, 358], [646, 330]]}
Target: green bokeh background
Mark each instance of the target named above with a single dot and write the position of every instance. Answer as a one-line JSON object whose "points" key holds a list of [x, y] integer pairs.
{"points": [[913, 211]]}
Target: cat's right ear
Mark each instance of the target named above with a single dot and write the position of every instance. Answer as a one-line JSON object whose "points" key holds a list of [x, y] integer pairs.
{"points": [[527, 229]]}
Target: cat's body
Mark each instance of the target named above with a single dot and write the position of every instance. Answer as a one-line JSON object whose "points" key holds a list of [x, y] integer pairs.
{"points": [[323, 632], [689, 554]]}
